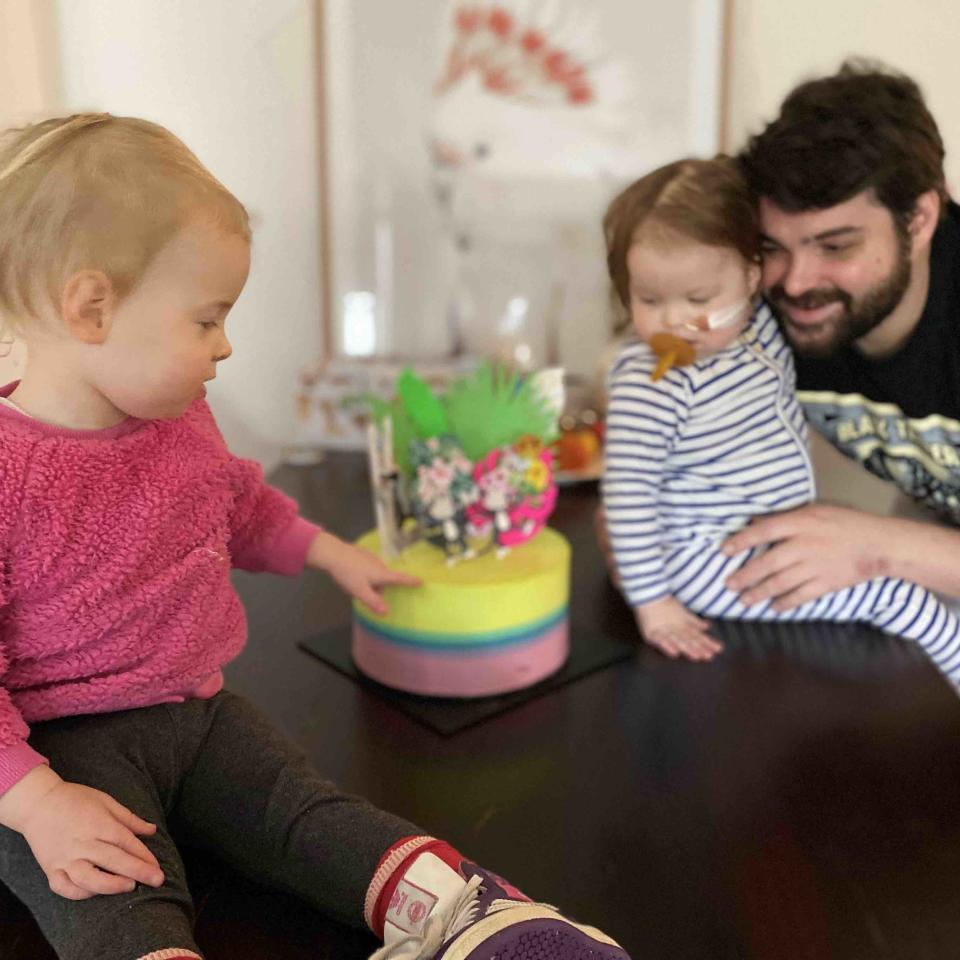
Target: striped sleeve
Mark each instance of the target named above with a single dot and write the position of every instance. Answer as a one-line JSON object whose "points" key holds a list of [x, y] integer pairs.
{"points": [[643, 418]]}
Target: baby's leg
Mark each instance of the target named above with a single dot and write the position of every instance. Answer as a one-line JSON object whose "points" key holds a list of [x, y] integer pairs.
{"points": [[104, 752], [893, 606], [906, 610], [254, 799]]}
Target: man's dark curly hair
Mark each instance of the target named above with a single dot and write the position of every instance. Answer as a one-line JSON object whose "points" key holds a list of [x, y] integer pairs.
{"points": [[865, 127]]}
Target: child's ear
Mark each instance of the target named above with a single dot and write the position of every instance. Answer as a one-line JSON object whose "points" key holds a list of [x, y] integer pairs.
{"points": [[87, 304], [754, 273]]}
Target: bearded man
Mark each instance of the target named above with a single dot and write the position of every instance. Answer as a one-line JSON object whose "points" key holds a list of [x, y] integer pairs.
{"points": [[861, 263]]}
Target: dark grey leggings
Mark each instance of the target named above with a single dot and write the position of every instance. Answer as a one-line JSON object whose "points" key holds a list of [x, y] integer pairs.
{"points": [[216, 774]]}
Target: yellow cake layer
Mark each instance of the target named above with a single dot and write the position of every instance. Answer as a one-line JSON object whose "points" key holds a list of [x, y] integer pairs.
{"points": [[478, 596]]}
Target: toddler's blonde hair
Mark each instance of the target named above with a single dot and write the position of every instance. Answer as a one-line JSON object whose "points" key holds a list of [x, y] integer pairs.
{"points": [[94, 191]]}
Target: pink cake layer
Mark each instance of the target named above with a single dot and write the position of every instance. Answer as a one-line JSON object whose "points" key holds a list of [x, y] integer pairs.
{"points": [[456, 674]]}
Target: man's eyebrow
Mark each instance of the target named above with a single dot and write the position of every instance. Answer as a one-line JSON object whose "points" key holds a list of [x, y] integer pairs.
{"points": [[818, 237], [837, 232]]}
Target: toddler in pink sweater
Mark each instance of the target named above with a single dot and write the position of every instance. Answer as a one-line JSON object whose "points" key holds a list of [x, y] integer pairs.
{"points": [[121, 515]]}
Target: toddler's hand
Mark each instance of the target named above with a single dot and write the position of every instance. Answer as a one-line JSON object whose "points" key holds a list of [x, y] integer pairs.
{"points": [[85, 842], [670, 627], [358, 572]]}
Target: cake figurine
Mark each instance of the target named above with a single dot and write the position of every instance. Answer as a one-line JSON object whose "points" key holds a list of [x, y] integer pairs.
{"points": [[463, 487], [516, 492], [442, 489]]}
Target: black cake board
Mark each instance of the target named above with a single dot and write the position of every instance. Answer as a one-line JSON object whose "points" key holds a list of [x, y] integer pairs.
{"points": [[589, 651]]}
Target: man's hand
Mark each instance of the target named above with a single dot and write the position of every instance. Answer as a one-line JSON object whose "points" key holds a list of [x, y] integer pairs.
{"points": [[84, 841], [670, 627], [815, 550], [358, 572]]}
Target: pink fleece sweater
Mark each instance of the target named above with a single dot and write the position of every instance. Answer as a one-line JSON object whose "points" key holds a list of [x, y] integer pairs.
{"points": [[115, 555]]}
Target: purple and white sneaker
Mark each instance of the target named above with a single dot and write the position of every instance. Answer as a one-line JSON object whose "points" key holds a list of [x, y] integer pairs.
{"points": [[490, 920]]}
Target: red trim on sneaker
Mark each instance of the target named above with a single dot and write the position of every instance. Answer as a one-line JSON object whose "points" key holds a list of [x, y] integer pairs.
{"points": [[172, 953], [449, 855], [393, 865], [388, 864]]}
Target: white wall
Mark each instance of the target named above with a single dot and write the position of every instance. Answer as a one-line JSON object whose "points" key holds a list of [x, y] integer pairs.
{"points": [[235, 80], [28, 69], [28, 90], [776, 45]]}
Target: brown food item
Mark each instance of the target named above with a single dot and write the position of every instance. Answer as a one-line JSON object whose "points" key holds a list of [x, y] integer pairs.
{"points": [[672, 352]]}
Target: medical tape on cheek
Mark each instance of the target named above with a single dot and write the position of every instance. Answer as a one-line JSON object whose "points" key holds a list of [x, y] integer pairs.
{"points": [[718, 319]]}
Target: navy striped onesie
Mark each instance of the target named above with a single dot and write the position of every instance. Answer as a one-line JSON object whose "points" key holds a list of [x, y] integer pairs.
{"points": [[692, 458]]}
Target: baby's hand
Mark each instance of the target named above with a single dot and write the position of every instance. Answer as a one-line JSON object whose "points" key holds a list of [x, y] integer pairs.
{"points": [[358, 572], [670, 627], [84, 841]]}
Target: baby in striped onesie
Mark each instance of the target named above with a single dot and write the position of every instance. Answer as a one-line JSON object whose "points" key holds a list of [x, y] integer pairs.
{"points": [[694, 451]]}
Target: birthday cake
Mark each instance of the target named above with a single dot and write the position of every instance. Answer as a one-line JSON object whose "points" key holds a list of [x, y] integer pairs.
{"points": [[463, 486]]}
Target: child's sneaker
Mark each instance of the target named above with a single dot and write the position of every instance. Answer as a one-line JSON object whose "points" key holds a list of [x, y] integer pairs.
{"points": [[489, 922]]}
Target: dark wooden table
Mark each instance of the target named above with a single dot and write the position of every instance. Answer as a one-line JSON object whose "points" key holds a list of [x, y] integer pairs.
{"points": [[796, 799]]}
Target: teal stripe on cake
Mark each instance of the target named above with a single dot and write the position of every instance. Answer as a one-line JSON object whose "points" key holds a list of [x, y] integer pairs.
{"points": [[463, 642]]}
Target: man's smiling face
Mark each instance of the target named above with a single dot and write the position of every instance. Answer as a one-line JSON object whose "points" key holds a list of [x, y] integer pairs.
{"points": [[833, 275]]}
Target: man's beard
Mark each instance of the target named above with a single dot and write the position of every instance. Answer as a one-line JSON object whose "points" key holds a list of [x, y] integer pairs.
{"points": [[856, 320]]}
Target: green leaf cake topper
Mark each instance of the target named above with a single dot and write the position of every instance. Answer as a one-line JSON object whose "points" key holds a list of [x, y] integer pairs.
{"points": [[424, 408], [496, 407], [492, 407]]}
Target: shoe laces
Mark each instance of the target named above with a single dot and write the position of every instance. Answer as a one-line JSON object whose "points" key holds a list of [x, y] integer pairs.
{"points": [[443, 927]]}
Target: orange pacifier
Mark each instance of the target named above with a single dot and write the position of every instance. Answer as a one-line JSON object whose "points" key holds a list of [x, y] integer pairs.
{"points": [[671, 351]]}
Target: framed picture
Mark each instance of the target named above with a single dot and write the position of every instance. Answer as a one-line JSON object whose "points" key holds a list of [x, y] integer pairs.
{"points": [[470, 149]]}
